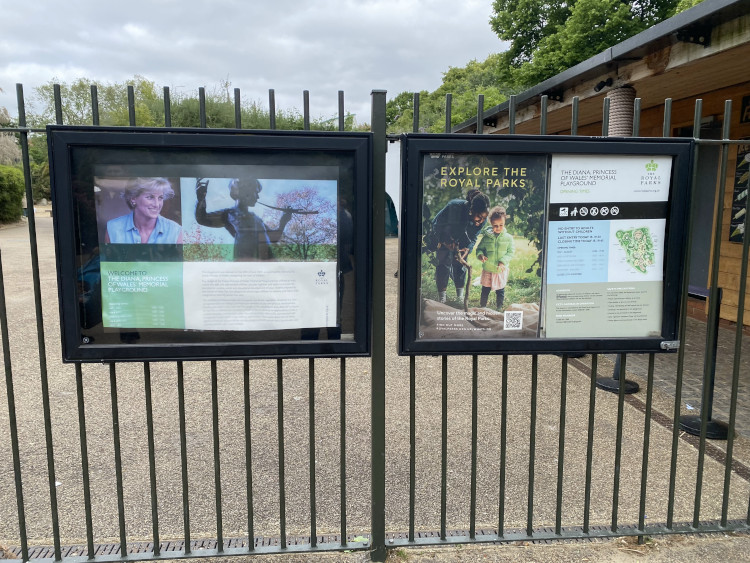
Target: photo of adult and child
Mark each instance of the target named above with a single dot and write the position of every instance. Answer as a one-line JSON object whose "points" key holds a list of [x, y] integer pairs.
{"points": [[482, 235]]}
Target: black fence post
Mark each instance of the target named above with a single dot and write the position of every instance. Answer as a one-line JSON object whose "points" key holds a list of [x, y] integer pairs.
{"points": [[377, 362], [691, 423]]}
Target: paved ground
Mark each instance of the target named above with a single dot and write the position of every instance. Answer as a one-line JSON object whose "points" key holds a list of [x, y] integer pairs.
{"points": [[665, 373], [265, 446]]}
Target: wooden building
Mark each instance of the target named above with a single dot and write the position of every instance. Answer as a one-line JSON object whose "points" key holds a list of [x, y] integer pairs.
{"points": [[702, 53]]}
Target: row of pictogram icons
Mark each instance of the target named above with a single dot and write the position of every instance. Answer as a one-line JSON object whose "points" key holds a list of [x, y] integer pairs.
{"points": [[593, 211]]}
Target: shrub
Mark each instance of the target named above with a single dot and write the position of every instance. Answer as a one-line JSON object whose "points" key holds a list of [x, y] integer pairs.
{"points": [[11, 194]]}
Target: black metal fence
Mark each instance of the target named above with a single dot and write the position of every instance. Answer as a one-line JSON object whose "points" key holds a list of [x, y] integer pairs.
{"points": [[202, 459]]}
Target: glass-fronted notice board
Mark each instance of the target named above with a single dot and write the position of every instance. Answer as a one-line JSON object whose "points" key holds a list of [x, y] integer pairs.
{"points": [[541, 244], [180, 244]]}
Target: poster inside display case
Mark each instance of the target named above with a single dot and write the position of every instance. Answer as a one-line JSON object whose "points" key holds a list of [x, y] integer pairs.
{"points": [[177, 244], [738, 219], [541, 244]]}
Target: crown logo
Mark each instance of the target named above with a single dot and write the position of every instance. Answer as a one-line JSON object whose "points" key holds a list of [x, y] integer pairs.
{"points": [[321, 274], [651, 166]]}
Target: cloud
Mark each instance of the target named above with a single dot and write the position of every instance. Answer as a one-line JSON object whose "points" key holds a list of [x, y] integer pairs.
{"points": [[288, 45]]}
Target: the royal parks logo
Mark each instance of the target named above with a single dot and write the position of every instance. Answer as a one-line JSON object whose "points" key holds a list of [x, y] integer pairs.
{"points": [[651, 177], [322, 279]]}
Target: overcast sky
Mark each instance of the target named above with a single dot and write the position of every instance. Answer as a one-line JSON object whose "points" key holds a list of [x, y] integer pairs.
{"points": [[289, 45]]}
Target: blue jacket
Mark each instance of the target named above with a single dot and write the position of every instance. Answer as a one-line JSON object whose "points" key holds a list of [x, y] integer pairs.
{"points": [[122, 230]]}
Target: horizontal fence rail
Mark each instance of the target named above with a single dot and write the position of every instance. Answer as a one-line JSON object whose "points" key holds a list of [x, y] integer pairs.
{"points": [[258, 457]]}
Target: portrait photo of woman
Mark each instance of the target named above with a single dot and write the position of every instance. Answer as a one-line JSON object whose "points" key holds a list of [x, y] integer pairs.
{"points": [[144, 224]]}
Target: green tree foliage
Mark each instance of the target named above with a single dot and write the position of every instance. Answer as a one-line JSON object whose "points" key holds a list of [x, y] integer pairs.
{"points": [[546, 37], [148, 102], [526, 23], [550, 37], [112, 103], [463, 83], [683, 5], [39, 167], [11, 194]]}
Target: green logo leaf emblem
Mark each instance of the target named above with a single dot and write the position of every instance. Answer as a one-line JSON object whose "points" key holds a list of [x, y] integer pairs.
{"points": [[651, 166]]}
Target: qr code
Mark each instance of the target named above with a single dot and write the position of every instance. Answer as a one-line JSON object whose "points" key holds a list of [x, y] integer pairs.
{"points": [[513, 320]]}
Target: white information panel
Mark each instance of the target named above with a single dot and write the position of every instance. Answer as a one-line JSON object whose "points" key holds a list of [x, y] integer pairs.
{"points": [[605, 245]]}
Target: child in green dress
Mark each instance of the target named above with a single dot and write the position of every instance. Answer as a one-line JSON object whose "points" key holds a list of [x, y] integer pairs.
{"points": [[495, 251]]}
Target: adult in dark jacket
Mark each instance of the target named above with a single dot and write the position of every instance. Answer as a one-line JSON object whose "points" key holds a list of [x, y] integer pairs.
{"points": [[454, 232]]}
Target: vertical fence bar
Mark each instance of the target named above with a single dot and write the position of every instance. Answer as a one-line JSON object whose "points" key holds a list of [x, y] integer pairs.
{"points": [[43, 376], [118, 458], [480, 114], [412, 443], [342, 391], [649, 390], [618, 440], [561, 443], [503, 446], [713, 312], [683, 316], [415, 113], [667, 127], [311, 403], [474, 409], [94, 105], [474, 392], [217, 457], [590, 443], [248, 456], [636, 117], [282, 476], [131, 106], [512, 115], [342, 447], [306, 109], [183, 456], [15, 450], [543, 114], [272, 109], [646, 443], [443, 446], [532, 445], [84, 462], [342, 115], [202, 106], [605, 117], [342, 387], [167, 108], [448, 112], [736, 364], [377, 360], [151, 456], [57, 97], [237, 109], [574, 116]]}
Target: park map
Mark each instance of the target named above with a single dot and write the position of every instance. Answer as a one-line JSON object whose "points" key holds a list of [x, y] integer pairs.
{"points": [[639, 247]]}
